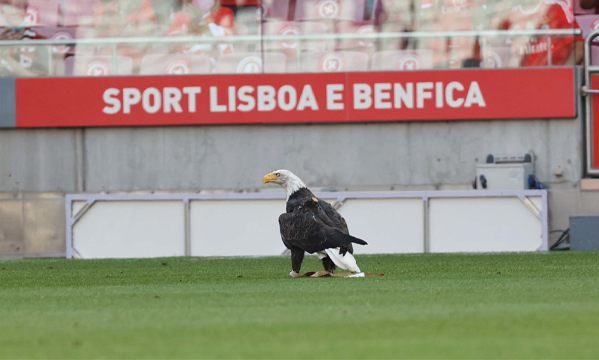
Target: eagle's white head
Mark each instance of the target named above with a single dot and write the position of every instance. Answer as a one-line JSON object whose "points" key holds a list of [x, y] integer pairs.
{"points": [[288, 180]]}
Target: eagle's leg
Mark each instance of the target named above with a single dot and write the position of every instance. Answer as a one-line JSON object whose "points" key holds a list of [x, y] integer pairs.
{"points": [[328, 264], [297, 256]]}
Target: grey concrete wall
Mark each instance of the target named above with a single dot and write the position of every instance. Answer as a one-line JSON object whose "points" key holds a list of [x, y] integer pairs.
{"points": [[356, 155], [37, 160]]}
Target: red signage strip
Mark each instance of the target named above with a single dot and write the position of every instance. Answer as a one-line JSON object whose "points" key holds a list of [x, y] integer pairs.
{"points": [[296, 98]]}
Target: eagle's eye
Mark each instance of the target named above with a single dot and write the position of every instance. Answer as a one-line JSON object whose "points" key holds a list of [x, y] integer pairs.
{"points": [[278, 174]]}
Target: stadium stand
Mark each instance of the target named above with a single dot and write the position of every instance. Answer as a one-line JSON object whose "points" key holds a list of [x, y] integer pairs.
{"points": [[357, 28], [42, 13], [534, 51], [58, 33], [175, 64], [292, 48], [497, 57], [578, 10], [78, 12], [329, 9], [84, 32], [587, 23], [282, 28], [98, 65], [88, 19], [387, 14], [453, 52], [58, 52], [402, 60], [248, 21], [244, 3], [314, 28], [275, 10], [321, 61], [248, 63], [241, 29]]}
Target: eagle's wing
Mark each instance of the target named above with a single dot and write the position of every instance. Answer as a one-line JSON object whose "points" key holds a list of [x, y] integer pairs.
{"points": [[306, 230], [302, 230], [331, 217]]}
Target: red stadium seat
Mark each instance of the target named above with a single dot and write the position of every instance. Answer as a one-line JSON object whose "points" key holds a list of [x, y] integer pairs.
{"points": [[329, 9], [78, 12], [401, 60], [175, 64], [42, 13], [126, 50], [294, 28], [392, 15], [58, 33], [497, 57], [580, 11], [84, 32], [289, 48], [357, 28], [275, 10], [282, 28], [242, 63], [242, 29], [587, 23], [99, 65], [315, 28], [321, 61]]}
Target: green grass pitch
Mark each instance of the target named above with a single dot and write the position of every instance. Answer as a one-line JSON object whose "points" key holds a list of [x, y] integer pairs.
{"points": [[536, 305]]}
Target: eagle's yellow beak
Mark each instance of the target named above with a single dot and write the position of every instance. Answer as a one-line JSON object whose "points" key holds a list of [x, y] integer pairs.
{"points": [[269, 178]]}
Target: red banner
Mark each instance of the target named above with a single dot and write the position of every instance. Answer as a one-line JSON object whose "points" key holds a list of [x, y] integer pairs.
{"points": [[296, 98]]}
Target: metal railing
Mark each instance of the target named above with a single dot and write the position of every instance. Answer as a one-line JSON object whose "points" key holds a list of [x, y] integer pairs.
{"points": [[484, 35], [585, 90], [310, 37]]}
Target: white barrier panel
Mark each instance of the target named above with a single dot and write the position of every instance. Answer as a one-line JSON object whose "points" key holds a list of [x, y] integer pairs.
{"points": [[124, 229], [234, 227], [388, 225], [508, 225], [130, 226]]}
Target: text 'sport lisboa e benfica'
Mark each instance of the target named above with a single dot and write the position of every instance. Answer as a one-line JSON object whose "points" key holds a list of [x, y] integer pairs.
{"points": [[297, 98]]}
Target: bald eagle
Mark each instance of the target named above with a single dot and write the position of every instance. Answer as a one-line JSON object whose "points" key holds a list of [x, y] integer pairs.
{"points": [[312, 225]]}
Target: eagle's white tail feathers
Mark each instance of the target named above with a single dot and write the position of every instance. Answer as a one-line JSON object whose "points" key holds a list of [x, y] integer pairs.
{"points": [[346, 262]]}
